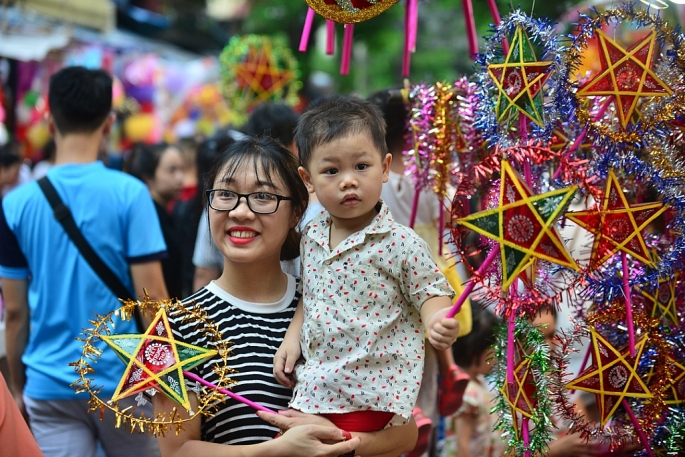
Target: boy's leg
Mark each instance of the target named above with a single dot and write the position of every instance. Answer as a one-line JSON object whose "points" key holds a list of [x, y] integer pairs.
{"points": [[62, 427], [120, 442]]}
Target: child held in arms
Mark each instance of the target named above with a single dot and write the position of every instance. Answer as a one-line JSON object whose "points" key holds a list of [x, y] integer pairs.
{"points": [[370, 285]]}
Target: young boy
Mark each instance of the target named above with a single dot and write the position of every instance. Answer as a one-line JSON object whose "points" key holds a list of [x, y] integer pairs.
{"points": [[370, 284]]}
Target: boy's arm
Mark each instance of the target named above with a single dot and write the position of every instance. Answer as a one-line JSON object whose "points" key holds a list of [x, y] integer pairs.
{"points": [[442, 331], [289, 351]]}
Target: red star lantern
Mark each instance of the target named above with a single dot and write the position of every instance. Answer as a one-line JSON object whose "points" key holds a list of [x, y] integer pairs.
{"points": [[662, 300], [617, 225], [676, 388], [612, 375], [523, 224], [260, 73], [520, 393], [156, 360], [626, 75]]}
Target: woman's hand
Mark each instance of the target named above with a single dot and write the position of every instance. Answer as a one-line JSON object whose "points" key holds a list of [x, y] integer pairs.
{"points": [[287, 419], [314, 441], [284, 361]]}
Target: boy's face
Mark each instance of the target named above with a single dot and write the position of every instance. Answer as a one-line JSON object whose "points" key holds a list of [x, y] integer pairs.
{"points": [[347, 175]]}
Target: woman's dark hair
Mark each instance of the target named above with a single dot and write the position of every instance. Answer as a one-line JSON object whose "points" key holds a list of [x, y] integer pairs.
{"points": [[467, 349], [269, 159], [144, 159]]}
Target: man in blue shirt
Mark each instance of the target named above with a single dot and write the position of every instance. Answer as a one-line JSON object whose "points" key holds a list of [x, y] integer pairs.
{"points": [[50, 290]]}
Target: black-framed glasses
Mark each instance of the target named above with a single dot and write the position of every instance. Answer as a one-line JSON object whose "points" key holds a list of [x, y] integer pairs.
{"points": [[258, 202]]}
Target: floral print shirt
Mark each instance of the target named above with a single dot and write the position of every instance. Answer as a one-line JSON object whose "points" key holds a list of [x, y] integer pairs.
{"points": [[362, 339]]}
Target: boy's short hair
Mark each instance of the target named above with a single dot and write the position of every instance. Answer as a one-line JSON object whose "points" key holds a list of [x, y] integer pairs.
{"points": [[79, 99], [337, 116]]}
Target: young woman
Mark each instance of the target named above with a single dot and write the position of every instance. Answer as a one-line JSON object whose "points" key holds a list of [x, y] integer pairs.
{"points": [[256, 199], [161, 167]]}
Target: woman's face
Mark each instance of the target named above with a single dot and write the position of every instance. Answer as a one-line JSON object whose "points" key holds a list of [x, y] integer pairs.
{"points": [[168, 181], [241, 235], [9, 175]]}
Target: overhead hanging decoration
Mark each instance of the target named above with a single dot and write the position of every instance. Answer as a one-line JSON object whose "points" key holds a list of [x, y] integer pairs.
{"points": [[257, 69], [350, 12]]}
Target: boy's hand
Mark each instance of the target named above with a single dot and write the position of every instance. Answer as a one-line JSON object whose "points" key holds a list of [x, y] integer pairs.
{"points": [[442, 331], [284, 362]]}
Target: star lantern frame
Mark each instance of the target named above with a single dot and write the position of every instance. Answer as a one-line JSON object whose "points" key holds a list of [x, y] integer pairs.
{"points": [[139, 351], [523, 225], [613, 373], [628, 75], [257, 69]]}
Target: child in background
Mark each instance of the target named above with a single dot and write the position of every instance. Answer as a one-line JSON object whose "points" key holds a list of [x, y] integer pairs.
{"points": [[470, 432], [160, 166], [369, 284]]}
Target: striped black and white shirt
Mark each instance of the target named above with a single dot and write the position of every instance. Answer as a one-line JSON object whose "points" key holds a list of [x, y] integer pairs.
{"points": [[255, 331]]}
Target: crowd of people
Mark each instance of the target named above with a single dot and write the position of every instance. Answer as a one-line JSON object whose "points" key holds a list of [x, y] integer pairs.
{"points": [[292, 235]]}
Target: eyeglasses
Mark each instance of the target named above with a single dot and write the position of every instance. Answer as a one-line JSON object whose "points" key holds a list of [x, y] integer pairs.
{"points": [[258, 202]]}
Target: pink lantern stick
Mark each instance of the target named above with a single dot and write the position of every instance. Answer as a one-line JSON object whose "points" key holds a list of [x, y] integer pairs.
{"points": [[441, 227], [330, 37], [629, 305], [470, 28], [414, 208], [307, 30], [411, 18], [347, 49], [526, 435], [472, 283], [494, 12], [413, 23], [234, 396], [581, 135], [511, 340], [638, 429]]}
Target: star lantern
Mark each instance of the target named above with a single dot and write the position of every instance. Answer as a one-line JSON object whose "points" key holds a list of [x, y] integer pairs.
{"points": [[257, 69], [676, 387], [520, 392], [617, 225], [523, 225], [626, 75], [612, 375], [662, 300], [156, 360], [519, 80]]}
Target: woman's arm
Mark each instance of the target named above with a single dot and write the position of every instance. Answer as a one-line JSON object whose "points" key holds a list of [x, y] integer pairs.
{"points": [[390, 442], [305, 440]]}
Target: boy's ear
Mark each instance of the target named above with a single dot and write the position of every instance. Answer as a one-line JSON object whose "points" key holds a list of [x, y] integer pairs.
{"points": [[307, 178], [386, 166], [109, 122]]}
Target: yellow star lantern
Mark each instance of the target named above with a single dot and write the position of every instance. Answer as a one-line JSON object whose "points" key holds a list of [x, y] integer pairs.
{"points": [[519, 80], [612, 375], [523, 224], [156, 360], [626, 75], [617, 225]]}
